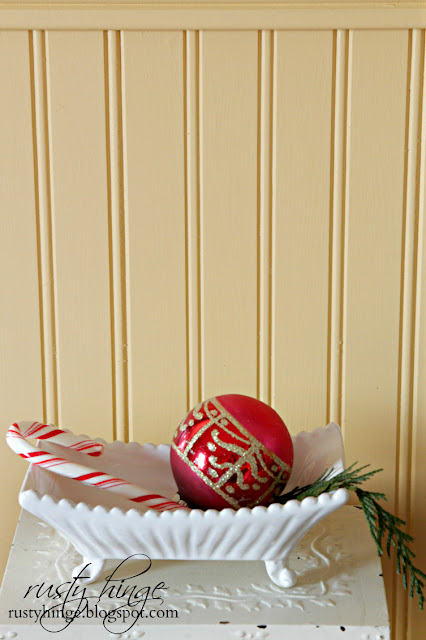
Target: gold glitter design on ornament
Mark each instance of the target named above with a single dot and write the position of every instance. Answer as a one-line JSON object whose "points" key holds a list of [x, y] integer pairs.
{"points": [[258, 448], [197, 412], [195, 438], [246, 456], [215, 417], [182, 426]]}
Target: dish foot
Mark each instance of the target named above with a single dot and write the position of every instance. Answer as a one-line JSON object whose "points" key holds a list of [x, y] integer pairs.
{"points": [[88, 571], [280, 574]]}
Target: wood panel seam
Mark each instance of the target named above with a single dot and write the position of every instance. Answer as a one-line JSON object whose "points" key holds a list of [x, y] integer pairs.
{"points": [[345, 228], [418, 265], [259, 215], [273, 221], [202, 369], [407, 305], [125, 246], [265, 118], [37, 219], [337, 223], [44, 221], [421, 172], [116, 233], [419, 224], [192, 213], [110, 241]]}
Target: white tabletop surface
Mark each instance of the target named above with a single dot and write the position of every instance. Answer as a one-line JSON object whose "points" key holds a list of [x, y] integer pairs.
{"points": [[339, 593]]}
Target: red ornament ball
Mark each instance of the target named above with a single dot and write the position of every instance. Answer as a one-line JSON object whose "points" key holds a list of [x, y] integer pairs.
{"points": [[231, 451]]}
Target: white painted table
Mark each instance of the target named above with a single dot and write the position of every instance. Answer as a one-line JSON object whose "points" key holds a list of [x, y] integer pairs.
{"points": [[339, 595]]}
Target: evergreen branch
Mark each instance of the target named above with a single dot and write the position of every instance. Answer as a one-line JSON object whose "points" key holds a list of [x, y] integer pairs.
{"points": [[350, 478], [381, 523]]}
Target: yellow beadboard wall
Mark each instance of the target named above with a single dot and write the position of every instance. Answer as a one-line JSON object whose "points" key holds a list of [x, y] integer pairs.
{"points": [[188, 209]]}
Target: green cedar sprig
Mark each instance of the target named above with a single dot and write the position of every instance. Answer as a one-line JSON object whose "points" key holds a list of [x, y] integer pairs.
{"points": [[380, 522]]}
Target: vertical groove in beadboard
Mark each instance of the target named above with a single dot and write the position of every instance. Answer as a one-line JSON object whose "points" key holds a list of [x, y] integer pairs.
{"points": [[337, 223], [37, 222], [420, 205], [273, 221], [44, 222], [265, 104], [110, 241], [188, 274], [259, 230], [192, 205], [407, 308], [125, 258], [117, 233], [199, 174], [345, 229], [421, 178], [331, 356], [201, 292]]}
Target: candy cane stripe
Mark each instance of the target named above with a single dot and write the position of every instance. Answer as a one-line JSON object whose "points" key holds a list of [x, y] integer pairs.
{"points": [[47, 436], [45, 462], [151, 496], [88, 476], [16, 439], [163, 506], [59, 436], [113, 480], [35, 427]]}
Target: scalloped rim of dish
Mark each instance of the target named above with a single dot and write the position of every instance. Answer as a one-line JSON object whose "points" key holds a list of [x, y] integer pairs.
{"points": [[275, 507], [332, 426]]}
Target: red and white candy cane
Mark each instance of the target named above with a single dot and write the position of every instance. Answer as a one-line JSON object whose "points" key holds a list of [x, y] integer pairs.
{"points": [[16, 439]]}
